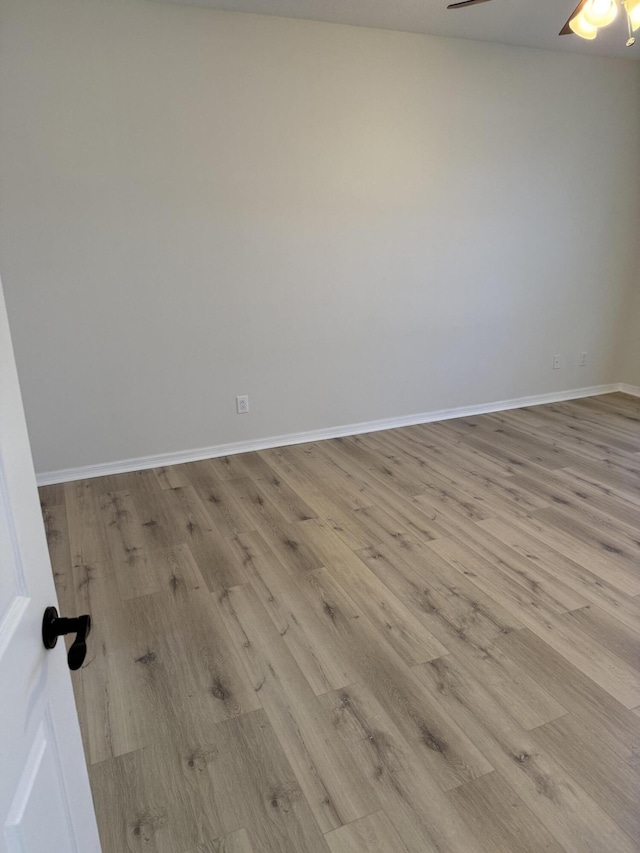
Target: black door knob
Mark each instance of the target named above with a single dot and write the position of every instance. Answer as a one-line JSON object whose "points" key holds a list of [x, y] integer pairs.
{"points": [[54, 626]]}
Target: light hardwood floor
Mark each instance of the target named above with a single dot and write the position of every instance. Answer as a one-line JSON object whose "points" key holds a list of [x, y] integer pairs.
{"points": [[425, 639]]}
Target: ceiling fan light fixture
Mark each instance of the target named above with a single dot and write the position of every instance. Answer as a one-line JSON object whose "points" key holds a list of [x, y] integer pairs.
{"points": [[633, 11], [581, 27], [600, 13]]}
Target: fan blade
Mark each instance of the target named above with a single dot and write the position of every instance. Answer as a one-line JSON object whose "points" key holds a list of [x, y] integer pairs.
{"points": [[566, 30], [467, 3]]}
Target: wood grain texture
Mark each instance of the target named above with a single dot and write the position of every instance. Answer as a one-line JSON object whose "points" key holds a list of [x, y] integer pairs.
{"points": [[235, 842], [606, 768], [575, 819], [371, 834], [183, 794], [425, 640], [420, 811], [500, 818]]}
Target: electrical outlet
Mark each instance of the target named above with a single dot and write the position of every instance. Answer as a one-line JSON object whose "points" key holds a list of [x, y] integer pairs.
{"points": [[583, 359], [556, 362], [242, 404]]}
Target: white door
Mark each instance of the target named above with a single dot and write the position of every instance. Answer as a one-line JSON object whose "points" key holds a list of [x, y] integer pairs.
{"points": [[45, 799]]}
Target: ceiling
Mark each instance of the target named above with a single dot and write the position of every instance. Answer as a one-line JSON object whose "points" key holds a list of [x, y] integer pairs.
{"points": [[530, 23]]}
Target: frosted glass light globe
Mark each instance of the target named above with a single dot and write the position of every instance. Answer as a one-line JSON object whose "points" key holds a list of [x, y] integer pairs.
{"points": [[633, 10], [600, 13], [583, 28]]}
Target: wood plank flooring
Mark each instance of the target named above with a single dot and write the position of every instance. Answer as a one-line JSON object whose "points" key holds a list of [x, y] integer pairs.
{"points": [[419, 640]]}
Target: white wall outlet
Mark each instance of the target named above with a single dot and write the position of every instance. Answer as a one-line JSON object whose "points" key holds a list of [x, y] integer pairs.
{"points": [[242, 404], [583, 359], [556, 362]]}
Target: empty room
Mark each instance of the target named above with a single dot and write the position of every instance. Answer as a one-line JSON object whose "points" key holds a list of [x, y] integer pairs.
{"points": [[319, 426]]}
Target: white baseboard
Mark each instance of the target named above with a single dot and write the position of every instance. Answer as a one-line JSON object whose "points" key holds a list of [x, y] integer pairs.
{"points": [[161, 459], [634, 390]]}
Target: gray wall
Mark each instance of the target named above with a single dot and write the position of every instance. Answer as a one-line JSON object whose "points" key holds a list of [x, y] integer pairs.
{"points": [[345, 224], [630, 358]]}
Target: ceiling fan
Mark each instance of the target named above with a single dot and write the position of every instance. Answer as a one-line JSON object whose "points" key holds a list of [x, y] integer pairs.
{"points": [[588, 16]]}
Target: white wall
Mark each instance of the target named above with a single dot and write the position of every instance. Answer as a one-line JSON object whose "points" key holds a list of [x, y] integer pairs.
{"points": [[345, 224]]}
